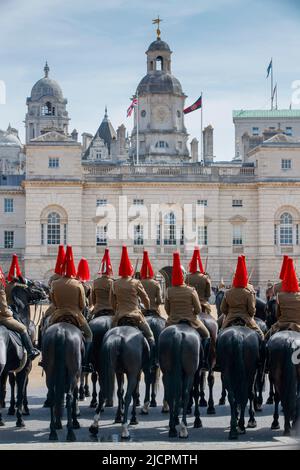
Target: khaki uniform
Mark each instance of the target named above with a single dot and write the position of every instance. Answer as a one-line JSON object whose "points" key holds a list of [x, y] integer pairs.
{"points": [[153, 291], [6, 316], [69, 300], [124, 299], [288, 312], [239, 302], [182, 303], [277, 288], [101, 294], [202, 284], [54, 277]]}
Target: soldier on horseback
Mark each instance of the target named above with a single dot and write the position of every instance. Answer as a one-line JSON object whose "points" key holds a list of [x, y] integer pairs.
{"points": [[14, 278], [199, 280], [83, 275], [58, 273], [7, 319], [238, 303], [68, 297], [151, 286], [101, 290], [125, 296]]}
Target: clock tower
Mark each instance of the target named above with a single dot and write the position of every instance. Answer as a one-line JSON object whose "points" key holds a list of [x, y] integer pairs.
{"points": [[159, 115]]}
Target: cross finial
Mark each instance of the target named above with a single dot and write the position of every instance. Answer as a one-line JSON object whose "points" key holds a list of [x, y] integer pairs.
{"points": [[157, 21], [46, 69], [105, 115]]}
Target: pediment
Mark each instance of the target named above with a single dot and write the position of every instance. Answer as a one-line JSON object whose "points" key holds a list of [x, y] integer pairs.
{"points": [[238, 219]]}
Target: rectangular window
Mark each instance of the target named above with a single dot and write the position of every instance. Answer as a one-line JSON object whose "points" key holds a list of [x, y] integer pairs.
{"points": [[275, 235], [53, 234], [202, 234], [101, 202], [237, 238], [138, 202], [53, 162], [255, 130], [158, 234], [9, 239], [289, 131], [202, 202], [138, 235], [98, 155], [286, 164], [8, 205], [182, 236], [237, 203], [65, 234], [297, 234], [286, 234], [42, 234], [101, 235]]}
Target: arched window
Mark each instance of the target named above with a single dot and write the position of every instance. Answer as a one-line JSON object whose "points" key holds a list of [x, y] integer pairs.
{"points": [[170, 229], [159, 63], [53, 229], [47, 109], [286, 229], [161, 144]]}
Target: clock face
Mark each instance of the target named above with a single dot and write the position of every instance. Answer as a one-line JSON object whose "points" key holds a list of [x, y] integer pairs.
{"points": [[161, 113]]}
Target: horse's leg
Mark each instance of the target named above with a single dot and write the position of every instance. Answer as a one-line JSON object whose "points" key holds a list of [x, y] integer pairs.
{"points": [[75, 422], [252, 421], [275, 424], [148, 381], [211, 381], [223, 394], [120, 394], [241, 422], [233, 433], [86, 385], [94, 378], [270, 399], [81, 387], [132, 385], [12, 404], [70, 434], [195, 393], [26, 411], [154, 386], [258, 388], [53, 434], [138, 402], [21, 378], [3, 380], [203, 402], [94, 428], [134, 420], [186, 388]]}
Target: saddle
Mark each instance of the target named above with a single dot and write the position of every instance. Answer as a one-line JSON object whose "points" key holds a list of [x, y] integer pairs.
{"points": [[15, 343], [103, 313], [150, 313], [128, 321], [238, 322], [67, 318]]}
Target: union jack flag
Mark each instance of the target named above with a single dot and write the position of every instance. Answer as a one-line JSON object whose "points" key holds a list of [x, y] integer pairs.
{"points": [[133, 104]]}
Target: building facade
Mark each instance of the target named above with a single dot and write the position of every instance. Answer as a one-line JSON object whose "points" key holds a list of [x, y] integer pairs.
{"points": [[149, 190]]}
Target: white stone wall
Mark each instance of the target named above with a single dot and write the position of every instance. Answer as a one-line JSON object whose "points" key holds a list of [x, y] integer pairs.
{"points": [[268, 162]]}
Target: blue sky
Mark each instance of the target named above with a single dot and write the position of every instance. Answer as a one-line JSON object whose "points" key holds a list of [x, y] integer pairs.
{"points": [[96, 51]]}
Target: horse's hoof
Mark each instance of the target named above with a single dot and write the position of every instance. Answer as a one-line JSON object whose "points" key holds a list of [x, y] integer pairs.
{"points": [[87, 392], [270, 401], [118, 420], [241, 430], [93, 429], [203, 403], [197, 423], [46, 404], [177, 421], [233, 435], [134, 422], [76, 424], [153, 404], [173, 433], [275, 425], [81, 397], [287, 432], [58, 425], [125, 438], [77, 413], [144, 412], [2, 423], [11, 411], [71, 436], [26, 411], [222, 401], [164, 410], [258, 408], [53, 436], [252, 424], [110, 404], [20, 424], [183, 436], [93, 404], [211, 410], [137, 403]]}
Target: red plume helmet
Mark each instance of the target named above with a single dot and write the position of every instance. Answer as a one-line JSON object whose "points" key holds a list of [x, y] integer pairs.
{"points": [[177, 274], [283, 267], [196, 262], [14, 270], [83, 270], [290, 282], [60, 260], [69, 266], [125, 268], [241, 275], [2, 278], [106, 266], [146, 269]]}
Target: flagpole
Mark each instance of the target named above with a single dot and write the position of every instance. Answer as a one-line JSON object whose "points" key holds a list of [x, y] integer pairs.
{"points": [[137, 129], [276, 97], [272, 97], [201, 139]]}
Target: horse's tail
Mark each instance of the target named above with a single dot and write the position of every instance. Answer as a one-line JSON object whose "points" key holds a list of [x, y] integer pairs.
{"points": [[176, 385], [238, 372], [60, 370], [110, 353], [289, 383]]}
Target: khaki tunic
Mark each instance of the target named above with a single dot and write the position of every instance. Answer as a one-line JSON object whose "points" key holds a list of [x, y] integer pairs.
{"points": [[288, 312], [54, 277], [68, 298], [6, 316], [239, 302], [124, 298], [153, 291], [202, 284], [182, 303], [101, 294]]}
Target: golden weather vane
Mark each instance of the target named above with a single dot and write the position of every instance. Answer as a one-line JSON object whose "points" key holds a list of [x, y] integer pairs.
{"points": [[157, 21]]}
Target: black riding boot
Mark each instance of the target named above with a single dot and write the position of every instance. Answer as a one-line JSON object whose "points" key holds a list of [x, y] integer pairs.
{"points": [[206, 348], [86, 361], [27, 343]]}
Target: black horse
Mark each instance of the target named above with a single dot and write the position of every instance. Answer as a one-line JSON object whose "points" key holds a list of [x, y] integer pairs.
{"points": [[238, 355], [62, 350], [284, 364], [124, 352], [180, 361]]}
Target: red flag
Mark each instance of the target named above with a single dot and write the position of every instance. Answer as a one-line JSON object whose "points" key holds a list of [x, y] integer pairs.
{"points": [[196, 105], [133, 104]]}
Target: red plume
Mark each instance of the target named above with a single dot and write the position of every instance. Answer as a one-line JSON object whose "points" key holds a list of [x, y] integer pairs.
{"points": [[290, 282], [177, 274], [83, 270], [283, 267], [196, 262], [69, 266], [2, 278], [60, 260], [125, 268], [241, 275], [106, 266], [14, 270], [146, 269]]}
